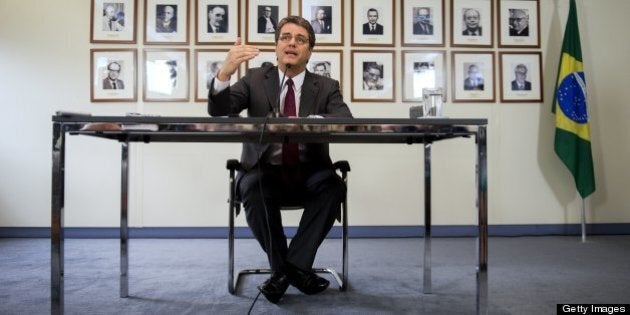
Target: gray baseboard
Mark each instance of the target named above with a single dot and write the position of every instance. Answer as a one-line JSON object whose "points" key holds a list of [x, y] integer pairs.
{"points": [[353, 231]]}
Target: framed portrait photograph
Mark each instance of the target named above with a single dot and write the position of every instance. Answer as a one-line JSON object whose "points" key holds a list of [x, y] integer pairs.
{"points": [[166, 22], [326, 17], [113, 75], [472, 76], [217, 21], [472, 23], [266, 57], [519, 23], [165, 75], [521, 76], [207, 65], [372, 22], [113, 21], [422, 23], [261, 19], [422, 70], [373, 75], [327, 63]]}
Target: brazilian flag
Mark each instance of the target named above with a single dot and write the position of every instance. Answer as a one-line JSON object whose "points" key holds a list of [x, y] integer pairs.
{"points": [[573, 136]]}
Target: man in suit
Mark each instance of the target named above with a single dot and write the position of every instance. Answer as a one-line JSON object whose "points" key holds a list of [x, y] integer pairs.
{"points": [[423, 25], [112, 82], [371, 27], [321, 25], [216, 18], [110, 20], [266, 24], [471, 20], [474, 80], [519, 22], [167, 21], [275, 174], [520, 75]]}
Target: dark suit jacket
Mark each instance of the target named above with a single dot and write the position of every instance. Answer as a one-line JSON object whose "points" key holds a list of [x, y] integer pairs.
{"points": [[378, 30], [468, 32], [257, 92], [318, 29], [107, 85], [220, 29], [524, 32], [262, 23], [417, 29], [469, 85], [527, 86]]}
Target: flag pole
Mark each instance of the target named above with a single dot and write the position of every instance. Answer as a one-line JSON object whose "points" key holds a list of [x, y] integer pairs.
{"points": [[583, 221]]}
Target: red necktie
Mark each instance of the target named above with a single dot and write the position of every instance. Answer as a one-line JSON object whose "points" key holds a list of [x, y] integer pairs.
{"points": [[290, 151]]}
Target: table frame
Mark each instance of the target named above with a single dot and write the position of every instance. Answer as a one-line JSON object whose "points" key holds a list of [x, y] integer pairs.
{"points": [[189, 129]]}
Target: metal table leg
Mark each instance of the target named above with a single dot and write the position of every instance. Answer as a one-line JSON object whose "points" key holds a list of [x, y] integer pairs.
{"points": [[482, 204], [427, 218], [56, 220], [124, 223]]}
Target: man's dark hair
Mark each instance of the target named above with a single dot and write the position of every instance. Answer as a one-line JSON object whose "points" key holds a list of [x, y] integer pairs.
{"points": [[298, 20]]}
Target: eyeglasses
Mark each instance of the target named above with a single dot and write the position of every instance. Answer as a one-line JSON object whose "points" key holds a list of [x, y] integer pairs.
{"points": [[286, 38]]}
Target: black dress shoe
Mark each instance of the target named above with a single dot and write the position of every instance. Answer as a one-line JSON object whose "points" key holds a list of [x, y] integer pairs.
{"points": [[306, 281], [273, 288]]}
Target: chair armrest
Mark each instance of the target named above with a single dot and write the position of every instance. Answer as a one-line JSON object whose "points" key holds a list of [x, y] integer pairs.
{"points": [[233, 165], [342, 166]]}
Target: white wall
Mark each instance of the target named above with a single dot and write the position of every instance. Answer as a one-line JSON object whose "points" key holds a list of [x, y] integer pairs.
{"points": [[45, 60]]}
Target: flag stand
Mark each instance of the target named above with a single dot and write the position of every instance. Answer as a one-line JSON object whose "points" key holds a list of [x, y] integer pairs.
{"points": [[583, 221]]}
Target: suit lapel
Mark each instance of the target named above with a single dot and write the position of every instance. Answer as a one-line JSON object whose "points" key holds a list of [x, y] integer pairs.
{"points": [[271, 85], [310, 88]]}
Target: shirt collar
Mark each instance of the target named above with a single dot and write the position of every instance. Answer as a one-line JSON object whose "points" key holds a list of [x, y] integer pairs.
{"points": [[298, 80]]}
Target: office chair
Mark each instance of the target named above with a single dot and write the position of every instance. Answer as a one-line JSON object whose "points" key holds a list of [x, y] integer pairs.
{"points": [[234, 209]]}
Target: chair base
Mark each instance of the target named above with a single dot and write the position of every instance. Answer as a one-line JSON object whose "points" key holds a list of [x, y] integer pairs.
{"points": [[245, 272]]}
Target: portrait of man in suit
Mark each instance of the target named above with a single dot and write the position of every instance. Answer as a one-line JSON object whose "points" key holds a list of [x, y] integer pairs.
{"points": [[212, 68], [113, 19], [474, 78], [472, 20], [321, 68], [519, 22], [290, 171], [423, 25], [372, 76], [372, 27], [166, 20], [112, 82], [520, 82], [321, 23], [217, 18], [266, 23]]}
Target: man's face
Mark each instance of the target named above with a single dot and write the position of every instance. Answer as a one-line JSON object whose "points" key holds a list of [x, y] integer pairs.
{"points": [[113, 71], [372, 16], [109, 12], [320, 14], [267, 11], [216, 16], [169, 12], [373, 74], [471, 18], [473, 72], [424, 16], [520, 74], [519, 21], [320, 69], [289, 50]]}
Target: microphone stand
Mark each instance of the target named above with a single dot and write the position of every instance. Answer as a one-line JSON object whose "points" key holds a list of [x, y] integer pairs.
{"points": [[276, 110]]}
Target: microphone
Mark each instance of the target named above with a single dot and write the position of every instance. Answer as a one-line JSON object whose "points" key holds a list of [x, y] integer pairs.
{"points": [[276, 111]]}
